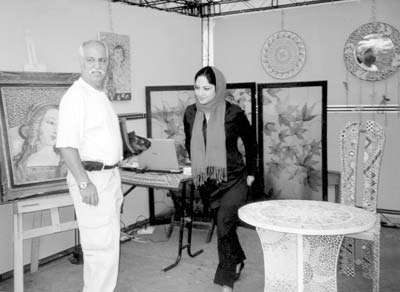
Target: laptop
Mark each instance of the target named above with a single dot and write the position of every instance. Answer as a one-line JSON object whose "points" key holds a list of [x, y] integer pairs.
{"points": [[160, 157]]}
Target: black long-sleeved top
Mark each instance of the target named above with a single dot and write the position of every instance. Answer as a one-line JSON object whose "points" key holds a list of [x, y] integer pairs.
{"points": [[236, 126]]}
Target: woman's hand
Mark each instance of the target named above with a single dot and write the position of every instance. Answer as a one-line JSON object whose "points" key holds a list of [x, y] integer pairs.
{"points": [[250, 180]]}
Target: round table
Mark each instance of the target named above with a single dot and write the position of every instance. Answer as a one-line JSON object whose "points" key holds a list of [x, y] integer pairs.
{"points": [[301, 241]]}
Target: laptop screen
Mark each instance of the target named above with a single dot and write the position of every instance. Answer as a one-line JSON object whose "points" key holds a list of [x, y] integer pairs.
{"points": [[161, 156]]}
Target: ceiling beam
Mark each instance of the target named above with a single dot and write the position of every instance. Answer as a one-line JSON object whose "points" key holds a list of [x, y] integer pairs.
{"points": [[213, 8]]}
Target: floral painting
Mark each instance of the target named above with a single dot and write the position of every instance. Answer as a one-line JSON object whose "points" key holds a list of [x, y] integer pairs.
{"points": [[166, 106], [118, 83], [292, 138], [31, 165]]}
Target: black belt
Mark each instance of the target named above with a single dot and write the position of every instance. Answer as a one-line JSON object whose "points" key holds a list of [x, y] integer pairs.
{"points": [[96, 166]]}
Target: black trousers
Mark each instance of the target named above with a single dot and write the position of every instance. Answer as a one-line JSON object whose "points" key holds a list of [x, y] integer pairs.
{"points": [[230, 252]]}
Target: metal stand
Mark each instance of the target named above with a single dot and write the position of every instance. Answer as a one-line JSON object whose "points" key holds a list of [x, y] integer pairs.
{"points": [[181, 229]]}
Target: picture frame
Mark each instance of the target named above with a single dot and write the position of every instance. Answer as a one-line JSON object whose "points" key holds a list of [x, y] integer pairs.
{"points": [[30, 164], [292, 139], [118, 80]]}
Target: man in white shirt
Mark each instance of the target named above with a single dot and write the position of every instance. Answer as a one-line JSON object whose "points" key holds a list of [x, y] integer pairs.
{"points": [[89, 141]]}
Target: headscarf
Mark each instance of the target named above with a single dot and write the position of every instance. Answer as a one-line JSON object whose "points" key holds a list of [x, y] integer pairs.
{"points": [[209, 161]]}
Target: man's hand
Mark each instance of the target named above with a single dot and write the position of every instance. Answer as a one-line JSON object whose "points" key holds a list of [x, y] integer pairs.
{"points": [[89, 195], [250, 180], [74, 163]]}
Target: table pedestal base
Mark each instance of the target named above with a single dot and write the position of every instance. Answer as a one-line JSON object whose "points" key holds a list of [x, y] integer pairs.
{"points": [[295, 262]]}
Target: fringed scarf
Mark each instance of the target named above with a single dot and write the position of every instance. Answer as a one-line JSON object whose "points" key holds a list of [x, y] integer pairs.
{"points": [[210, 161]]}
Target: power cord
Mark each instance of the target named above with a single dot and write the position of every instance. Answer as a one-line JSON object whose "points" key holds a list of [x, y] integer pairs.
{"points": [[134, 237], [143, 237], [132, 234]]}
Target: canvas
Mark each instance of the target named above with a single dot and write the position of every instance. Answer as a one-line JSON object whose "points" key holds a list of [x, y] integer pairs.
{"points": [[30, 163], [292, 139], [118, 82]]}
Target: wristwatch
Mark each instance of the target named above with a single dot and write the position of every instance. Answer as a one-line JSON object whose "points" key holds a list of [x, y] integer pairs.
{"points": [[83, 185]]}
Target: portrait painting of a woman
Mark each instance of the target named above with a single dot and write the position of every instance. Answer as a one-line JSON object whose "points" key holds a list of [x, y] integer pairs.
{"points": [[118, 82], [29, 106], [38, 159]]}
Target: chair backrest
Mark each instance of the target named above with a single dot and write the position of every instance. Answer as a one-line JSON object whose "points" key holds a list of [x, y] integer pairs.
{"points": [[369, 161]]}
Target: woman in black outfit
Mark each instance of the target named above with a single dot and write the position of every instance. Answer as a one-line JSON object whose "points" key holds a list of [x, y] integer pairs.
{"points": [[212, 128]]}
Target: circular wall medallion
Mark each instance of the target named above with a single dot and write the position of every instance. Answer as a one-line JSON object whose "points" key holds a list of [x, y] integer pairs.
{"points": [[283, 54], [372, 51]]}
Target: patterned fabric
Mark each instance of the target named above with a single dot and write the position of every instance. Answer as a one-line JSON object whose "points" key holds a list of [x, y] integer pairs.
{"points": [[364, 252]]}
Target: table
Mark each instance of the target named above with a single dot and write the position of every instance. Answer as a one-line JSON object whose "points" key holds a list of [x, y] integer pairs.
{"points": [[168, 181], [301, 240]]}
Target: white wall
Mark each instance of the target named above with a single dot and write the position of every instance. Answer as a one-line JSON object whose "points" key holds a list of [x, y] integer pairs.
{"points": [[165, 50], [238, 41]]}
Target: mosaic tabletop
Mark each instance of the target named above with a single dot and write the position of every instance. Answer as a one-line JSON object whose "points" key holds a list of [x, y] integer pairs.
{"points": [[307, 217]]}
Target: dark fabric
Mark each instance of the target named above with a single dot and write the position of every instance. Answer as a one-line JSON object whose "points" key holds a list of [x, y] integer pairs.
{"points": [[226, 198], [96, 166], [230, 252], [236, 126]]}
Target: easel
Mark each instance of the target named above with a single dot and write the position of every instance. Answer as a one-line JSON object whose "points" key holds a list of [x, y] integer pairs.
{"points": [[37, 204]]}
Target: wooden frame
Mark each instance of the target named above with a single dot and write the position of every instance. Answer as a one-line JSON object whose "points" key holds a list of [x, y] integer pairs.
{"points": [[28, 119], [37, 205], [292, 139]]}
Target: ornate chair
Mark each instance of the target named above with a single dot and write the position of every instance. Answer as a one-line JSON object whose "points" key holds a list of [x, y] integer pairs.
{"points": [[361, 249]]}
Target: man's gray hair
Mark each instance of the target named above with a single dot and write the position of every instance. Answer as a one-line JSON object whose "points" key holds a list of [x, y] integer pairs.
{"points": [[90, 42]]}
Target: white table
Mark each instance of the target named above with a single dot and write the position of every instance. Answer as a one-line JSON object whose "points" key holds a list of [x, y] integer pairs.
{"points": [[301, 241]]}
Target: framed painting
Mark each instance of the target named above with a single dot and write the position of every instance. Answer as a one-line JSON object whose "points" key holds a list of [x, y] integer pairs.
{"points": [[165, 107], [118, 82], [292, 139], [30, 163]]}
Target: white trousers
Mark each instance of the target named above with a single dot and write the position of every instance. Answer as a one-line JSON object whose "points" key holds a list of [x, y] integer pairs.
{"points": [[99, 228]]}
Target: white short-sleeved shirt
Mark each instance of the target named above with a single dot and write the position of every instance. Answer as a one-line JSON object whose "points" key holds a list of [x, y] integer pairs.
{"points": [[88, 123]]}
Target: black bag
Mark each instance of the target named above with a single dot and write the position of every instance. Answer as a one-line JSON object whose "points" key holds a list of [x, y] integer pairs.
{"points": [[132, 143]]}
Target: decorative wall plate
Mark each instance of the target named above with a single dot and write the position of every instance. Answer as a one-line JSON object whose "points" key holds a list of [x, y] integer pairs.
{"points": [[372, 51], [283, 54]]}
